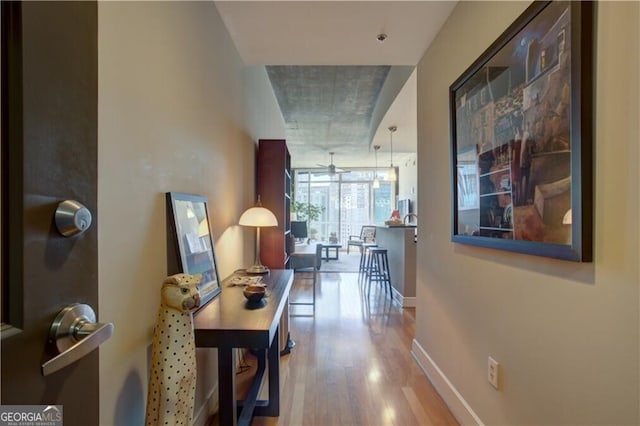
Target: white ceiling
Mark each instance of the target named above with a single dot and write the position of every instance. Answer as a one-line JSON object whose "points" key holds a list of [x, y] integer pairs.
{"points": [[342, 33], [333, 32]]}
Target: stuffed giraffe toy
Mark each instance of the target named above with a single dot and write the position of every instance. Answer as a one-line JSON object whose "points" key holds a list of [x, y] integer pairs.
{"points": [[172, 379]]}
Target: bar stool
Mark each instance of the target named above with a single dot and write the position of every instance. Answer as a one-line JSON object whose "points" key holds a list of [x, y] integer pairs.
{"points": [[378, 268], [364, 255]]}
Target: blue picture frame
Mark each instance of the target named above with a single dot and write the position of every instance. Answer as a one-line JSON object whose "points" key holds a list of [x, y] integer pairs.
{"points": [[521, 137]]}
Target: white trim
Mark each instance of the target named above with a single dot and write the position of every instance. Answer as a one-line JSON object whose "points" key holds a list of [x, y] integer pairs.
{"points": [[208, 407], [408, 302], [405, 302], [456, 403]]}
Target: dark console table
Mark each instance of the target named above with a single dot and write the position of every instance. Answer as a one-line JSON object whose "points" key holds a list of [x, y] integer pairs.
{"points": [[225, 323]]}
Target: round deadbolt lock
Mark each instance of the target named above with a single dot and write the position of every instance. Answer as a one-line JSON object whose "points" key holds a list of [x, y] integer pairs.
{"points": [[72, 218]]}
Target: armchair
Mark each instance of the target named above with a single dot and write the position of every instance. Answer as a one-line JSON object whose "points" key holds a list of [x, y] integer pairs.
{"points": [[367, 235]]}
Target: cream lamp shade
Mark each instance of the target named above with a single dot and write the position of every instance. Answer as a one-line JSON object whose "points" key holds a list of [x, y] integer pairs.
{"points": [[376, 181], [392, 170], [391, 175], [258, 217]]}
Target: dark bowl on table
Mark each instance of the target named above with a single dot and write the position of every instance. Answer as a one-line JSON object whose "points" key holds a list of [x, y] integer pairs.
{"points": [[254, 293]]}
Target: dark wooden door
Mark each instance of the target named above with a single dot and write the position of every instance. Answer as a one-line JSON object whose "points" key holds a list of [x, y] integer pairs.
{"points": [[49, 154]]}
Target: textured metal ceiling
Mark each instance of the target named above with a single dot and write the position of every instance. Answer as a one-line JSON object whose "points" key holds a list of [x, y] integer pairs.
{"points": [[327, 106], [334, 108]]}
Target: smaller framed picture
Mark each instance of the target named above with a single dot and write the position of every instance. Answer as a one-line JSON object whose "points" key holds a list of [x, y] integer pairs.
{"points": [[190, 247]]}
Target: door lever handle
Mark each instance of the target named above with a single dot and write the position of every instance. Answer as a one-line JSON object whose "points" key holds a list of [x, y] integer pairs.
{"points": [[75, 333]]}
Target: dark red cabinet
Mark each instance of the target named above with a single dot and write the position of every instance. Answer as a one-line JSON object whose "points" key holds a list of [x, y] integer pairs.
{"points": [[274, 188]]}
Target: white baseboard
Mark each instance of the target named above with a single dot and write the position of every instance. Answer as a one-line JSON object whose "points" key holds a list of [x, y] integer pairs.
{"points": [[408, 302], [456, 403], [405, 302], [208, 407]]}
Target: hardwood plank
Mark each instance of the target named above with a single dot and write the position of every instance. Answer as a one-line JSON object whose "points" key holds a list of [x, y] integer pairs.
{"points": [[297, 405], [421, 416], [352, 362]]}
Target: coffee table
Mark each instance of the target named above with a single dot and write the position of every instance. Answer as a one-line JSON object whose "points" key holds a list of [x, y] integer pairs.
{"points": [[327, 247]]}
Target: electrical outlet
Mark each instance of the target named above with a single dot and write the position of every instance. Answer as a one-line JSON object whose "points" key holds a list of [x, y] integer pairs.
{"points": [[492, 372]]}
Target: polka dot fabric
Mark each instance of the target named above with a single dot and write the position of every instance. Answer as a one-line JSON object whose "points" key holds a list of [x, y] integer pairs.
{"points": [[172, 379]]}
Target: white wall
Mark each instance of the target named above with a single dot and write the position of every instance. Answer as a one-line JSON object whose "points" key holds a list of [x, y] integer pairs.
{"points": [[178, 111], [566, 334], [408, 181]]}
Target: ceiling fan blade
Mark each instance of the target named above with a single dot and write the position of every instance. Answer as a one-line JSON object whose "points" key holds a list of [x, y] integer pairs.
{"points": [[332, 169]]}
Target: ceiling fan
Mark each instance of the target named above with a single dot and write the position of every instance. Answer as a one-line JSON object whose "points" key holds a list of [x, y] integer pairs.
{"points": [[332, 169]]}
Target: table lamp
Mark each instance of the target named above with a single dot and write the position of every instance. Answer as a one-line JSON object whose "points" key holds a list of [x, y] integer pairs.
{"points": [[258, 217]]}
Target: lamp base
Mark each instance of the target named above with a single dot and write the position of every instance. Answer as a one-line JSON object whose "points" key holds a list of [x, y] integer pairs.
{"points": [[257, 269]]}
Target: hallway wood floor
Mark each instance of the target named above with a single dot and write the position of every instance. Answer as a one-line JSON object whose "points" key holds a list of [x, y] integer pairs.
{"points": [[352, 362]]}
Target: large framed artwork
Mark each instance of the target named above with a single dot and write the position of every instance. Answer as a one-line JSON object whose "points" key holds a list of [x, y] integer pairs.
{"points": [[521, 131], [190, 247]]}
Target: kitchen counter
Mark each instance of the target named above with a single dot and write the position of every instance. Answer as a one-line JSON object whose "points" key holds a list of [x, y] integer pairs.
{"points": [[400, 242]]}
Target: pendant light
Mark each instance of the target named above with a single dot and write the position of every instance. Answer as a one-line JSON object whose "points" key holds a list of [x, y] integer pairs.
{"points": [[376, 182], [392, 170]]}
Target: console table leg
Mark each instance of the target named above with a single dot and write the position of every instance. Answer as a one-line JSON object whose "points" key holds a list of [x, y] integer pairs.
{"points": [[227, 386], [273, 358]]}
